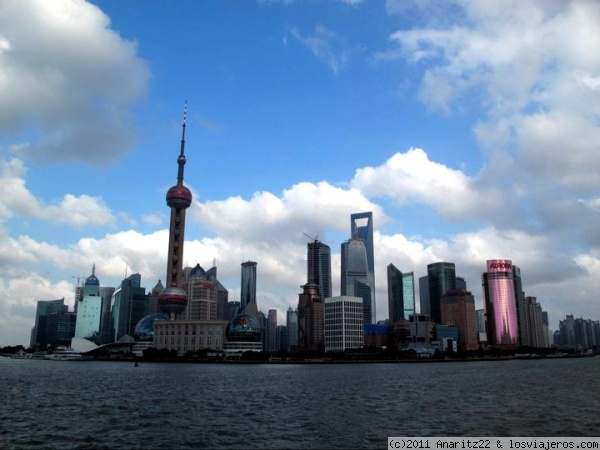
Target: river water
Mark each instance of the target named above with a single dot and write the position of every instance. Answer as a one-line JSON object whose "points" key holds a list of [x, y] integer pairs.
{"points": [[114, 405]]}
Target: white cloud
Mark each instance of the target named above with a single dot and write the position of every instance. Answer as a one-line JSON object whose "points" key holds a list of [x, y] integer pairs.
{"points": [[67, 81], [18, 302], [412, 177], [269, 233], [304, 208], [16, 199], [153, 219], [517, 59], [327, 46]]}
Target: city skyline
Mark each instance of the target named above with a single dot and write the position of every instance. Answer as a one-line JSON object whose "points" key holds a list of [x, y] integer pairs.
{"points": [[299, 115]]}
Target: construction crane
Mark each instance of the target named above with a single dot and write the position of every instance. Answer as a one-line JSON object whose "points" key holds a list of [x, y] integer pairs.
{"points": [[79, 277], [78, 289], [315, 239]]}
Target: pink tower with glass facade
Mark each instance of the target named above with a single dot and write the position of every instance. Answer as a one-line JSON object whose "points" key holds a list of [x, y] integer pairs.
{"points": [[500, 303]]}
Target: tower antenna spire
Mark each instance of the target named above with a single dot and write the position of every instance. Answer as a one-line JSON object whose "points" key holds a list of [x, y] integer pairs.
{"points": [[181, 158]]}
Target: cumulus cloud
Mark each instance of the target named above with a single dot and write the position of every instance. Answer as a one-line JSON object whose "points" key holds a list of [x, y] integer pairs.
{"points": [[531, 66], [18, 301], [305, 207], [67, 81], [412, 177], [74, 210]]}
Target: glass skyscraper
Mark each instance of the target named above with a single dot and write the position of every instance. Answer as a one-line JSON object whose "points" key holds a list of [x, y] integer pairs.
{"points": [[361, 225], [39, 334], [89, 310], [292, 329], [408, 294], [441, 278], [248, 287], [500, 303], [130, 304], [401, 294], [355, 277], [424, 295], [318, 268]]}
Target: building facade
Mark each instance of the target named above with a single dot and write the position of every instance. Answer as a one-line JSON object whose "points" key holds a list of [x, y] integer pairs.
{"points": [[272, 331], [361, 225], [311, 319], [246, 331], [537, 334], [318, 267], [89, 310], [523, 318], [401, 294], [221, 292], [458, 310], [500, 303], [355, 274], [344, 326], [441, 278], [248, 284], [130, 305], [424, 295], [291, 323], [60, 328], [190, 335], [201, 295], [39, 332]]}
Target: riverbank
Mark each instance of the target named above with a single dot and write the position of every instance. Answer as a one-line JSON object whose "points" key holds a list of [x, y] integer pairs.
{"points": [[277, 360]]}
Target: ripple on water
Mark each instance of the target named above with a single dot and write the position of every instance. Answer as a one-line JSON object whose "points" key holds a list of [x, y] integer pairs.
{"points": [[110, 405]]}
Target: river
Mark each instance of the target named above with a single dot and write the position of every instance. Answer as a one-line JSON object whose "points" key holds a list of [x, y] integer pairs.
{"points": [[113, 405]]}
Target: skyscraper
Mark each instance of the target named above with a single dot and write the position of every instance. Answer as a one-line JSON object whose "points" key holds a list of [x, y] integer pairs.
{"points": [[361, 224], [408, 293], [272, 331], [248, 284], [395, 294], [106, 325], [292, 329], [318, 266], [222, 294], [173, 299], [401, 294], [522, 310], [39, 332], [424, 307], [311, 319], [89, 310], [500, 304], [458, 310], [441, 278], [202, 297], [246, 331], [130, 304], [355, 275], [344, 328]]}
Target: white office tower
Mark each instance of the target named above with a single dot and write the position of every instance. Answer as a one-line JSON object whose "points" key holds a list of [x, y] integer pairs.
{"points": [[344, 325]]}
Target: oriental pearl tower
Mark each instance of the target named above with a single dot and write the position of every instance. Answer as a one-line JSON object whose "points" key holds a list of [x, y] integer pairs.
{"points": [[173, 299]]}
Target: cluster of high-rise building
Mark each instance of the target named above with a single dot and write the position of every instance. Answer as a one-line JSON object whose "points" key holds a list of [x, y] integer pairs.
{"points": [[192, 310], [578, 334]]}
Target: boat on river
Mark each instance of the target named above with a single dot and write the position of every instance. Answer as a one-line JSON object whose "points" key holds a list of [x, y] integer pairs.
{"points": [[66, 354]]}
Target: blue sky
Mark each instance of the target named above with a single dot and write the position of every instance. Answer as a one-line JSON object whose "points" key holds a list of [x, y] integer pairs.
{"points": [[470, 129]]}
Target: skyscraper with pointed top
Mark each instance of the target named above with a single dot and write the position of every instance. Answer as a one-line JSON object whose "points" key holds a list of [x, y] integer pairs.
{"points": [[173, 299]]}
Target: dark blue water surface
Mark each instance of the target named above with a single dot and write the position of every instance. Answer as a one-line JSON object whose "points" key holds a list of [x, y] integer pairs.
{"points": [[106, 405]]}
